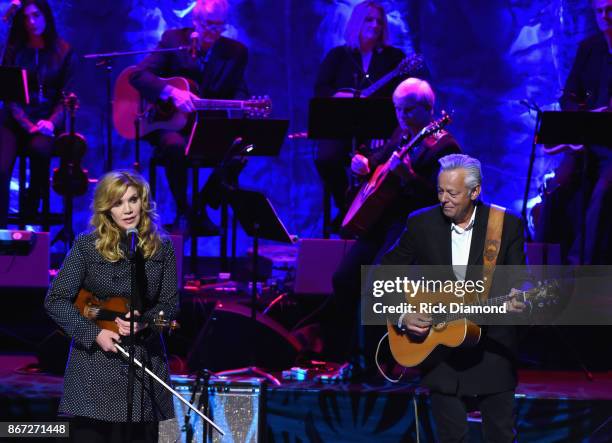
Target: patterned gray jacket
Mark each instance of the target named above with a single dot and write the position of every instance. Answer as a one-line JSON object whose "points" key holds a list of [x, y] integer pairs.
{"points": [[95, 382]]}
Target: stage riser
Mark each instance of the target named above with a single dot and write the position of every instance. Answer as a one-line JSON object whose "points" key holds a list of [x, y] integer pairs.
{"points": [[329, 416]]}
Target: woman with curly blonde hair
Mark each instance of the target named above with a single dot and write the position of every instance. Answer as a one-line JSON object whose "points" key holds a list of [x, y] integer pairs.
{"points": [[95, 381], [109, 231]]}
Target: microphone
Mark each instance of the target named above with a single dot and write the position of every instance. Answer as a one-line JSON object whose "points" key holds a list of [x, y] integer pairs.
{"points": [[132, 242], [194, 43], [12, 10]]}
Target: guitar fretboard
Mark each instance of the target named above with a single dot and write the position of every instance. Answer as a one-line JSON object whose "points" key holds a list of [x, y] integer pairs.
{"points": [[379, 83], [206, 104]]}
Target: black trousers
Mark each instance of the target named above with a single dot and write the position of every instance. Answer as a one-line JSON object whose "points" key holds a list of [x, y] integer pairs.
{"points": [[39, 148], [170, 148], [497, 412], [88, 430], [332, 161]]}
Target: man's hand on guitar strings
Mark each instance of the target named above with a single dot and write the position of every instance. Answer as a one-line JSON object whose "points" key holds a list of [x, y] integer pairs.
{"points": [[417, 324]]}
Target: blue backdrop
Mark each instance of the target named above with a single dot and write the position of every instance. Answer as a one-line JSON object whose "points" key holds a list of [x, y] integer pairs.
{"points": [[484, 55]]}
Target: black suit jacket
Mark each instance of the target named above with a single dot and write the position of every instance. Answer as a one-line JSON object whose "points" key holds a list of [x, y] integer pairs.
{"points": [[589, 84], [342, 68], [490, 366], [219, 73]]}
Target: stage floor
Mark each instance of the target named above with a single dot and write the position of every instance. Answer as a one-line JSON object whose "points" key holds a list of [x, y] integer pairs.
{"points": [[551, 406]]}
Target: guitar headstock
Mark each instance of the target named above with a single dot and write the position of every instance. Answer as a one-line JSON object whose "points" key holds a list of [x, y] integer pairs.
{"points": [[410, 65], [435, 125], [258, 107]]}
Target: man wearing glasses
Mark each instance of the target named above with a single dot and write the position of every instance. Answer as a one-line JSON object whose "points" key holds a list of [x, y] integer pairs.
{"points": [[216, 64]]}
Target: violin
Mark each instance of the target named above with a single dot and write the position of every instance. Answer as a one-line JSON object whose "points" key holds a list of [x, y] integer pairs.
{"points": [[70, 179], [104, 312]]}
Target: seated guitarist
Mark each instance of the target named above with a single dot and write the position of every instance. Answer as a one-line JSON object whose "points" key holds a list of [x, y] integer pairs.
{"points": [[453, 233], [588, 87], [416, 176], [364, 58], [216, 66]]}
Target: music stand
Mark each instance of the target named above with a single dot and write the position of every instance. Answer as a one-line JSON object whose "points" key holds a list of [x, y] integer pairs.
{"points": [[575, 127], [342, 118], [349, 118], [16, 83], [214, 141], [211, 137], [571, 127], [260, 221]]}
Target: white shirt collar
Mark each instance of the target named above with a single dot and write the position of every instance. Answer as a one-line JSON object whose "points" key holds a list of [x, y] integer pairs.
{"points": [[459, 230]]}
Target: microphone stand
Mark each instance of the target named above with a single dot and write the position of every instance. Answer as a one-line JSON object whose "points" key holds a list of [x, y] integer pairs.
{"points": [[105, 61], [532, 107], [131, 366]]}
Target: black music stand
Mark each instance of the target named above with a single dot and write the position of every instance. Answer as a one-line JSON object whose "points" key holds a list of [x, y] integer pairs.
{"points": [[260, 221], [349, 118], [342, 118], [214, 141], [571, 127], [575, 127]]}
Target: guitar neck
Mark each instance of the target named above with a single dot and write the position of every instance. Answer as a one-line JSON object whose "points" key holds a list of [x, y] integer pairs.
{"points": [[207, 104], [407, 147], [378, 84]]}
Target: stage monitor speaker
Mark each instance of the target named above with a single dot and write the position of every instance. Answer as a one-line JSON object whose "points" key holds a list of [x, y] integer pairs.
{"points": [[27, 262], [16, 242], [317, 261], [235, 405], [223, 338]]}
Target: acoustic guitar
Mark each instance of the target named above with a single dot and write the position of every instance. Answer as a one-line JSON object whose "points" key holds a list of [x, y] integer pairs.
{"points": [[104, 312], [455, 329], [128, 105], [381, 189]]}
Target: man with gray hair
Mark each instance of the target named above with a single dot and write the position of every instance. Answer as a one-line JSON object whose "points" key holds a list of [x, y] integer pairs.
{"points": [[216, 64], [453, 233]]}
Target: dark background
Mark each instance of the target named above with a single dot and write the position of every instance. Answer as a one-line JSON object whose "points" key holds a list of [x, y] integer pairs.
{"points": [[484, 56]]}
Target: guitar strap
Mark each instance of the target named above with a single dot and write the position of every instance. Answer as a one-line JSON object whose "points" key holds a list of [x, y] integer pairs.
{"points": [[492, 245]]}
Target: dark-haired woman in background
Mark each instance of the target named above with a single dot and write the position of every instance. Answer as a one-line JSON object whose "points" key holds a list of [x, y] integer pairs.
{"points": [[34, 44]]}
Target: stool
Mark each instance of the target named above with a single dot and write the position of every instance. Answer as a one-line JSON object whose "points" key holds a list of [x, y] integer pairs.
{"points": [[195, 166], [45, 218]]}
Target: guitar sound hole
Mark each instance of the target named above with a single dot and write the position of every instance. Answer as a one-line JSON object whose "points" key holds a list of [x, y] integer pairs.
{"points": [[162, 111]]}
